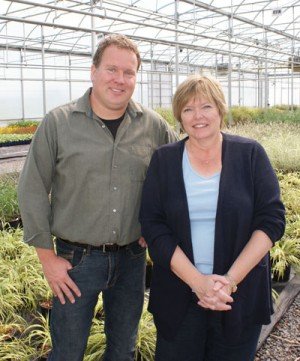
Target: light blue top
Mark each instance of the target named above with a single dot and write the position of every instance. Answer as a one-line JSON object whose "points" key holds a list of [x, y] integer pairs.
{"points": [[202, 196]]}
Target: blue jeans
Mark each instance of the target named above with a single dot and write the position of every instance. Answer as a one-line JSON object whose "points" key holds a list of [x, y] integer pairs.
{"points": [[200, 338], [120, 277]]}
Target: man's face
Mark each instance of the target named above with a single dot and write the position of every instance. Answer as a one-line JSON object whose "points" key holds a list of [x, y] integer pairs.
{"points": [[113, 81]]}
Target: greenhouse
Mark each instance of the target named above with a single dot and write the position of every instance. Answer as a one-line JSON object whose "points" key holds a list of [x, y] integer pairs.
{"points": [[251, 46], [116, 203]]}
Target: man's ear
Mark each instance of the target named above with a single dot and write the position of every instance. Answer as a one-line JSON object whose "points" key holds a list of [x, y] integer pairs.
{"points": [[93, 70]]}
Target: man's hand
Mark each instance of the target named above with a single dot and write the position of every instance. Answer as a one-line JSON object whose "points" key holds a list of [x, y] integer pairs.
{"points": [[56, 269], [142, 242]]}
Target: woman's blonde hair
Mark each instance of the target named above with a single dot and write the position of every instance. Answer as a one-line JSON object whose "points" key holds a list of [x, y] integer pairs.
{"points": [[197, 86]]}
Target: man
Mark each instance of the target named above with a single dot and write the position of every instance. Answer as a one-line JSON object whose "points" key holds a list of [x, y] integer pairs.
{"points": [[91, 155]]}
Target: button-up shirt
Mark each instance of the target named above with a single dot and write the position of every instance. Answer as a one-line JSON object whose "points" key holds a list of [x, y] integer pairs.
{"points": [[79, 183]]}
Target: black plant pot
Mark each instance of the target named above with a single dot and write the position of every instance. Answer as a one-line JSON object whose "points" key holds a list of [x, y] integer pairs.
{"points": [[45, 308], [14, 223]]}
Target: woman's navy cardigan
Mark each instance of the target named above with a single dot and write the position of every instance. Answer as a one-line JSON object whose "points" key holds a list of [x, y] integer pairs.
{"points": [[249, 200]]}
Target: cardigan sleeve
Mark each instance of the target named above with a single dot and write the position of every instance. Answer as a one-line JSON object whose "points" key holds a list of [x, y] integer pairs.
{"points": [[158, 235], [269, 211]]}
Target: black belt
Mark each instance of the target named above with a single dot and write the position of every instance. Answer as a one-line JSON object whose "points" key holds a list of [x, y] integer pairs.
{"points": [[107, 247]]}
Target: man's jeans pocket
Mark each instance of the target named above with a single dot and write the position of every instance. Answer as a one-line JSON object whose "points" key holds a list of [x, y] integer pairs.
{"points": [[73, 254]]}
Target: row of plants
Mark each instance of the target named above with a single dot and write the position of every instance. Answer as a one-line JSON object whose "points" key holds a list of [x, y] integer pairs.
{"points": [[240, 115], [285, 252], [17, 133], [24, 326], [249, 115]]}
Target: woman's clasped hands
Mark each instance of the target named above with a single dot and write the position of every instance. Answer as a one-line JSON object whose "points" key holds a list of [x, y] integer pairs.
{"points": [[213, 292]]}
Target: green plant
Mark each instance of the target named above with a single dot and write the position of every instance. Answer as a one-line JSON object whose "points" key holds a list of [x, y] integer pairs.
{"points": [[16, 350], [286, 252], [38, 335], [9, 208], [4, 138], [290, 188], [167, 114], [146, 339], [25, 123], [22, 284], [280, 140], [96, 342], [275, 295]]}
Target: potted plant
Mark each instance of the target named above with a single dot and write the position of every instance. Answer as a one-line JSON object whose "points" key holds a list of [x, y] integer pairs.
{"points": [[284, 254]]}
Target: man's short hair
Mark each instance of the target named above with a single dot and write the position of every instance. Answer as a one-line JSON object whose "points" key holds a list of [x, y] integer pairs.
{"points": [[118, 40]]}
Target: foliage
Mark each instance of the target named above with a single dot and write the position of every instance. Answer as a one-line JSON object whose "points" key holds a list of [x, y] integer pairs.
{"points": [[22, 284], [96, 342], [37, 334], [12, 129], [285, 252], [280, 140], [23, 127], [5, 138], [9, 208], [167, 114], [290, 188], [146, 339], [25, 123], [243, 115]]}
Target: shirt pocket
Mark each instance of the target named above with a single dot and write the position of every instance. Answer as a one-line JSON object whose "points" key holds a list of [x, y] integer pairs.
{"points": [[140, 159]]}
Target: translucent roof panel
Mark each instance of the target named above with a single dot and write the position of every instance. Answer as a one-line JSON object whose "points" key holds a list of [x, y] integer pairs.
{"points": [[197, 33]]}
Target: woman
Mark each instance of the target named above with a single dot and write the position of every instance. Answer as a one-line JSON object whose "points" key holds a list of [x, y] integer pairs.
{"points": [[210, 212]]}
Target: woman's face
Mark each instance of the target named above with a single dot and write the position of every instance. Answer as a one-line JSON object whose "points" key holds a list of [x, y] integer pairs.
{"points": [[201, 119]]}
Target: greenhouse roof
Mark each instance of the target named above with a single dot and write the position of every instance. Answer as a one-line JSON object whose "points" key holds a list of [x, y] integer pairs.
{"points": [[245, 33]]}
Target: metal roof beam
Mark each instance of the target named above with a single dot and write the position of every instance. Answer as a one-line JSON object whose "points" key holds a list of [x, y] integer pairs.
{"points": [[140, 38], [183, 32], [240, 18]]}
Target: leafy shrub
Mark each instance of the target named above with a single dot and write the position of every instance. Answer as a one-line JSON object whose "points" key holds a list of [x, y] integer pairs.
{"points": [[9, 208], [242, 115], [281, 141], [22, 284], [167, 114]]}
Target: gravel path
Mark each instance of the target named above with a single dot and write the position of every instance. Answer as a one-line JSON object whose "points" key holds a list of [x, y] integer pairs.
{"points": [[283, 344]]}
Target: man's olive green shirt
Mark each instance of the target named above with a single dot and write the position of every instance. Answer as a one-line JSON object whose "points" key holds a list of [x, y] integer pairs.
{"points": [[94, 181]]}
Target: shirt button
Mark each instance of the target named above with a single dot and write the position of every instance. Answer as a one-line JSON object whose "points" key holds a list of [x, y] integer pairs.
{"points": [[114, 210], [114, 232], [114, 166], [115, 188], [103, 126]]}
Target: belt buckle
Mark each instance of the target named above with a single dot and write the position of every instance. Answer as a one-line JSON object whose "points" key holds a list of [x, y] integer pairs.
{"points": [[106, 245]]}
